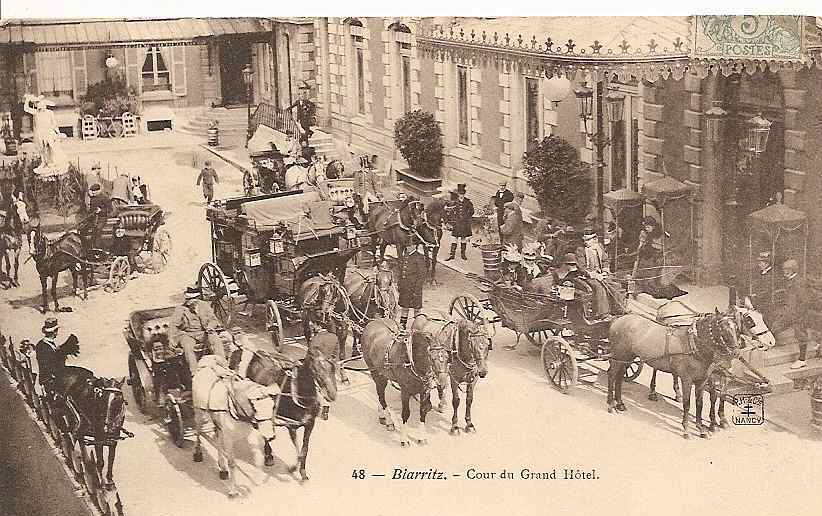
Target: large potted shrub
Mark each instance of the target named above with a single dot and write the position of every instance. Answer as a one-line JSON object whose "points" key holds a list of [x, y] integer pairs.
{"points": [[111, 98], [418, 138], [560, 181]]}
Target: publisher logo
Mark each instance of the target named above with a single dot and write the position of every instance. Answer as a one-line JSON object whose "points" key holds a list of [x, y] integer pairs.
{"points": [[750, 409]]}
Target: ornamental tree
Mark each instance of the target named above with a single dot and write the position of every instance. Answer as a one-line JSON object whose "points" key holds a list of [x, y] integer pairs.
{"points": [[419, 140]]}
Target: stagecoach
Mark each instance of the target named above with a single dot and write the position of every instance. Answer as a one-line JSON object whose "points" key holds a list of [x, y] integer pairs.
{"points": [[265, 247]]}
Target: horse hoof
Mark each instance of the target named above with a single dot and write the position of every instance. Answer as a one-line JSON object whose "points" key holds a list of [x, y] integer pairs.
{"points": [[405, 444], [470, 429], [723, 425], [610, 409], [686, 435], [224, 476], [703, 434], [440, 408], [345, 381], [269, 461], [198, 456], [390, 427], [455, 430], [304, 477], [653, 396], [422, 442], [382, 421], [621, 407]]}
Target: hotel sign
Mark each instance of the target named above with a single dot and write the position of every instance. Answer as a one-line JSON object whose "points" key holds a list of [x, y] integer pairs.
{"points": [[772, 38]]}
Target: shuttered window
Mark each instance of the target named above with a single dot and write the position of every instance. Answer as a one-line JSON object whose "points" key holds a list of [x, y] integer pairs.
{"points": [[462, 105], [406, 84], [54, 71], [531, 113], [156, 74]]}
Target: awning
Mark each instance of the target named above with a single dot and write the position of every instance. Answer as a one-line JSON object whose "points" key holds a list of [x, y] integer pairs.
{"points": [[121, 32], [621, 199], [666, 189], [777, 217]]}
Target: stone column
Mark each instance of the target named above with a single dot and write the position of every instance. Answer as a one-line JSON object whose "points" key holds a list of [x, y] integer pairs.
{"points": [[794, 97], [708, 177], [505, 110], [652, 138]]}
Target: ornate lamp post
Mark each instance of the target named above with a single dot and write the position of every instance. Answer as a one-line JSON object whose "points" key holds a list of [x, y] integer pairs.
{"points": [[247, 76], [615, 105]]}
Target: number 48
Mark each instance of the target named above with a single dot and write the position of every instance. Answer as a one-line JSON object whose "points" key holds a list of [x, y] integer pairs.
{"points": [[358, 474]]}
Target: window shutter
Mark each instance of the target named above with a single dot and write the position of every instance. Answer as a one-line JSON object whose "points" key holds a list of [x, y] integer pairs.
{"points": [[30, 68], [134, 66], [178, 70], [635, 154], [80, 72]]}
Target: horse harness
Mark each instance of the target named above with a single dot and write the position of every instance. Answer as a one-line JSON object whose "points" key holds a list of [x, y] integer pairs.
{"points": [[400, 337]]}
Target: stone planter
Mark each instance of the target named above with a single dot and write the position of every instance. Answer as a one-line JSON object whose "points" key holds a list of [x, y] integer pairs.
{"points": [[420, 185]]}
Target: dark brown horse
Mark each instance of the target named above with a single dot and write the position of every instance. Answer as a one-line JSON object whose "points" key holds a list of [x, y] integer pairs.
{"points": [[305, 387], [693, 353], [434, 216], [398, 223], [466, 346], [384, 351], [52, 258]]}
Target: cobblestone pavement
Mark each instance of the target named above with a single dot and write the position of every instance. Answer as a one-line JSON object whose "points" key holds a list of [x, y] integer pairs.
{"points": [[642, 463]]}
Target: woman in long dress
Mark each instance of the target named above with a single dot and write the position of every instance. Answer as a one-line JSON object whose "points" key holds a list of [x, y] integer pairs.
{"points": [[46, 133]]}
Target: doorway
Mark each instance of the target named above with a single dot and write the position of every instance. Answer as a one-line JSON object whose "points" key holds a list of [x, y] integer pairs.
{"points": [[235, 54]]}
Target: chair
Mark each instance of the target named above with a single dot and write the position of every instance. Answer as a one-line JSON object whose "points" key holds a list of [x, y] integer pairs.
{"points": [[89, 128], [129, 124]]}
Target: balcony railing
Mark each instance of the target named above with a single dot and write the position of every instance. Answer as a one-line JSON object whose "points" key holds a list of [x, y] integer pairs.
{"points": [[277, 119]]}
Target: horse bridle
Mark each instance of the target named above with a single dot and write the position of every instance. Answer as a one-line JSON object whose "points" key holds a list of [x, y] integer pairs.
{"points": [[471, 367]]}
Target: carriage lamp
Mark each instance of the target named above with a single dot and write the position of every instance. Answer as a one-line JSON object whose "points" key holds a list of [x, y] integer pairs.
{"points": [[615, 104], [715, 122], [585, 97], [111, 61], [758, 130], [252, 258], [275, 245]]}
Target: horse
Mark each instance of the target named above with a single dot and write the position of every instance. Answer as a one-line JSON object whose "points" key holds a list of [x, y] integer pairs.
{"points": [[433, 217], [298, 177], [52, 258], [305, 386], [692, 354], [231, 402], [11, 240], [397, 223], [335, 169], [93, 407], [384, 351], [466, 344], [752, 328]]}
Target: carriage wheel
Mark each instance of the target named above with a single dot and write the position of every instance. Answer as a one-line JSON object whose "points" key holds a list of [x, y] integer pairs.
{"points": [[160, 250], [633, 370], [119, 273], [274, 323], [466, 306], [558, 360], [115, 130], [214, 287], [137, 389], [174, 422]]}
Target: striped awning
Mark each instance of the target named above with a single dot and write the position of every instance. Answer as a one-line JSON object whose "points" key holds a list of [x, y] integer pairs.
{"points": [[121, 32]]}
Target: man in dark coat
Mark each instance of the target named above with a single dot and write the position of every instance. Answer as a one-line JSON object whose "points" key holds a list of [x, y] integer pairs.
{"points": [[412, 269], [51, 359], [208, 176], [304, 111], [501, 198], [794, 313], [462, 213], [99, 208]]}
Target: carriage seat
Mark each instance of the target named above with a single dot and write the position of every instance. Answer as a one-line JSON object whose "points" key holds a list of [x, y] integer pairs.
{"points": [[663, 311]]}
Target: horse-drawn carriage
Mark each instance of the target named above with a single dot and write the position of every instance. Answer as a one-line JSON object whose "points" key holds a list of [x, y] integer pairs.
{"points": [[265, 248]]}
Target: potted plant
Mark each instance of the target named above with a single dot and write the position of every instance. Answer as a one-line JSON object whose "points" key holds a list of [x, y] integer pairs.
{"points": [[110, 98], [419, 140], [560, 181]]}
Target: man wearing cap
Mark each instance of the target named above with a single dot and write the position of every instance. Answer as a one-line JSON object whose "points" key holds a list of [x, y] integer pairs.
{"points": [[462, 213], [761, 285], [501, 198], [194, 327], [412, 271], [51, 358], [794, 313], [304, 111], [208, 176], [511, 228]]}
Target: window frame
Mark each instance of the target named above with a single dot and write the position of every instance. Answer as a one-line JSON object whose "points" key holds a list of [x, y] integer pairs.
{"points": [[534, 118], [155, 74], [463, 105], [53, 61], [405, 83], [359, 59]]}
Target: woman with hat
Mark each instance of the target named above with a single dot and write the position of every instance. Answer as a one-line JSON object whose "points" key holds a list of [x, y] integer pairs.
{"points": [[647, 269], [51, 358], [462, 213], [529, 270], [208, 176]]}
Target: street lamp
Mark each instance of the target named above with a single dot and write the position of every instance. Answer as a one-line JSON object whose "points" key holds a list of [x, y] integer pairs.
{"points": [[615, 103], [758, 130], [247, 75]]}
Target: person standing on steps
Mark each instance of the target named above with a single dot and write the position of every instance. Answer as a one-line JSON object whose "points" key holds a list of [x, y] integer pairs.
{"points": [[208, 176], [794, 313], [462, 213], [304, 112], [501, 198]]}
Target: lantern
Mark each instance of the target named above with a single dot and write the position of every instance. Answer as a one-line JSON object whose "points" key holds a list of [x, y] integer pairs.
{"points": [[275, 245], [111, 61], [715, 122], [247, 76], [615, 104], [585, 97], [557, 89], [758, 130]]}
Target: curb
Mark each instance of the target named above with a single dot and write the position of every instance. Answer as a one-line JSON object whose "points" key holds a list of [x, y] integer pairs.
{"points": [[233, 162]]}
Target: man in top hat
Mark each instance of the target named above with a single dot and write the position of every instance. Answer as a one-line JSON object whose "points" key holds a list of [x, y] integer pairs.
{"points": [[51, 358], [194, 328], [511, 228], [794, 313], [501, 198], [412, 270], [761, 285], [99, 205], [208, 176], [462, 213], [304, 110]]}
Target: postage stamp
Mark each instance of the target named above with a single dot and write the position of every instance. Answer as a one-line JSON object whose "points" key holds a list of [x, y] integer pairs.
{"points": [[749, 409], [748, 37]]}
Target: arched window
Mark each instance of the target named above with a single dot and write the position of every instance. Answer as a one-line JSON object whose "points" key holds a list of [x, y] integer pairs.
{"points": [[356, 28], [401, 34]]}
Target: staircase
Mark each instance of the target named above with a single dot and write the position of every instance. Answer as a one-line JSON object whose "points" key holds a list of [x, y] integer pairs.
{"points": [[776, 364], [233, 125]]}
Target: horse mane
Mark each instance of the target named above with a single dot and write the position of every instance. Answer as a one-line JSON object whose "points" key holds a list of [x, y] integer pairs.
{"points": [[464, 329]]}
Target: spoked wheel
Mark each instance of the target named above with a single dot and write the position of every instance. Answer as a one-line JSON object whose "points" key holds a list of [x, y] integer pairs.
{"points": [[160, 250], [558, 360], [214, 287], [466, 306], [174, 422], [115, 130], [137, 389], [633, 370], [274, 323], [119, 273]]}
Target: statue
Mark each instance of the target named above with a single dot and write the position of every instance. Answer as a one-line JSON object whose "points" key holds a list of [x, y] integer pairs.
{"points": [[46, 135]]}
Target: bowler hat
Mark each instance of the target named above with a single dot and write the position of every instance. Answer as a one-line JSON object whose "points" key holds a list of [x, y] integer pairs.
{"points": [[51, 325], [192, 292], [569, 259], [461, 188]]}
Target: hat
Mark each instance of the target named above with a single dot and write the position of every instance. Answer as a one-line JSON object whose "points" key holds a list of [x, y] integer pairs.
{"points": [[588, 234], [529, 254], [207, 163], [790, 265], [460, 188], [192, 292], [569, 259], [765, 256], [94, 189], [50, 326], [503, 183], [519, 195]]}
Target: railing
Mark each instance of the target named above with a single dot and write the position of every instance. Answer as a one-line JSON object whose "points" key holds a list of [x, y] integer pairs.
{"points": [[277, 119]]}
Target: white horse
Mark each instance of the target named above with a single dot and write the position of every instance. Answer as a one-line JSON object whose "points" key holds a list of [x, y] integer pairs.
{"points": [[299, 177], [231, 402]]}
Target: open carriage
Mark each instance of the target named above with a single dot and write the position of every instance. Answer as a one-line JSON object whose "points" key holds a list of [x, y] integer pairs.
{"points": [[265, 247], [560, 324]]}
